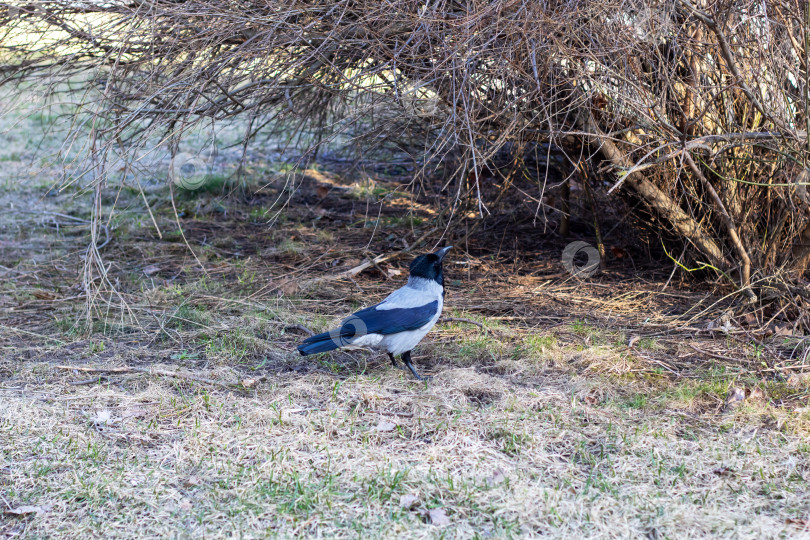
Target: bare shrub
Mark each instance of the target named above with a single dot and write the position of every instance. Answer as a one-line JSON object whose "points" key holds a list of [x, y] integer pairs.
{"points": [[699, 109]]}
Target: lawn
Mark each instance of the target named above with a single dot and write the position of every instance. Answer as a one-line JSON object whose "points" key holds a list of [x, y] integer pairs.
{"points": [[614, 407]]}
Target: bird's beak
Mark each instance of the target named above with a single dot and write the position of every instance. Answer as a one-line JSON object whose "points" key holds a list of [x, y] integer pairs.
{"points": [[442, 252]]}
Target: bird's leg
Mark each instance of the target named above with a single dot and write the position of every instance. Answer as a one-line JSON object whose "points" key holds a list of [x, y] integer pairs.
{"points": [[393, 360], [406, 358]]}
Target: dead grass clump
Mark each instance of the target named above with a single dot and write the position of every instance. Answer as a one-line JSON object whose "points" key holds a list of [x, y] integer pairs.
{"points": [[601, 359], [331, 455]]}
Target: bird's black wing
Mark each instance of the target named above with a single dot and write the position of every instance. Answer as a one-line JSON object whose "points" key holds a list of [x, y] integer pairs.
{"points": [[370, 321], [387, 321]]}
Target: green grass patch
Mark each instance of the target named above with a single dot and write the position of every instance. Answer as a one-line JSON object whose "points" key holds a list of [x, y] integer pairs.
{"points": [[190, 317], [535, 346]]}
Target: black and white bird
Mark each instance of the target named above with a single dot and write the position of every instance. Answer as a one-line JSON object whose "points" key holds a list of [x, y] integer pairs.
{"points": [[396, 324]]}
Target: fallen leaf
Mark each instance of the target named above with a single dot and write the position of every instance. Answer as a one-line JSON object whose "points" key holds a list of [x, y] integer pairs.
{"points": [[151, 269], [438, 517], [408, 501], [619, 253], [736, 396], [783, 329], [192, 481], [250, 383], [28, 509], [797, 521], [797, 379], [102, 417], [322, 191], [290, 288], [186, 505], [135, 412], [385, 425], [723, 471], [393, 272], [497, 477], [722, 323], [757, 394]]}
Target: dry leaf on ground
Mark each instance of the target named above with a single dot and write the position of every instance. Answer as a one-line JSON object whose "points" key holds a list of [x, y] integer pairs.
{"points": [[385, 425], [102, 417], [736, 396], [251, 382], [497, 477], [192, 481], [438, 517], [290, 288], [28, 509], [757, 394], [797, 379], [135, 412], [723, 471]]}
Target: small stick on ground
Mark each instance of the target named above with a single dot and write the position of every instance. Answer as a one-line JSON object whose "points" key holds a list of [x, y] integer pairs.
{"points": [[713, 355], [565, 274], [462, 319], [154, 371], [94, 380], [300, 327], [777, 370], [368, 263], [359, 288], [389, 413]]}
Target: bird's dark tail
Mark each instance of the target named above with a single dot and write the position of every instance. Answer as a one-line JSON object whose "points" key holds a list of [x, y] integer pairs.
{"points": [[317, 344]]}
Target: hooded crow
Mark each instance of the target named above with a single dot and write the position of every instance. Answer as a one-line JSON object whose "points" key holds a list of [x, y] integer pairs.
{"points": [[396, 324]]}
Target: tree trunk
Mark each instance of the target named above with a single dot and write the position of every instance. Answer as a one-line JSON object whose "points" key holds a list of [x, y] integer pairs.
{"points": [[653, 196]]}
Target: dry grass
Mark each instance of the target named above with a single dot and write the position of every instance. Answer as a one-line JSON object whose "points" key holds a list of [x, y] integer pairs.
{"points": [[546, 424], [324, 455]]}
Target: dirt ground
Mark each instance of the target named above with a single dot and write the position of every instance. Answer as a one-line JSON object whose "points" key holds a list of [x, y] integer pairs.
{"points": [[623, 405]]}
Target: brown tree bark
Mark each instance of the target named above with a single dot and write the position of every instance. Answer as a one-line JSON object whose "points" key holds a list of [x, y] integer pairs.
{"points": [[653, 196]]}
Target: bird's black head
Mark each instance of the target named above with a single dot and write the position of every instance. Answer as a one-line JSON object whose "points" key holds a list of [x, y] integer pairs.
{"points": [[430, 266]]}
